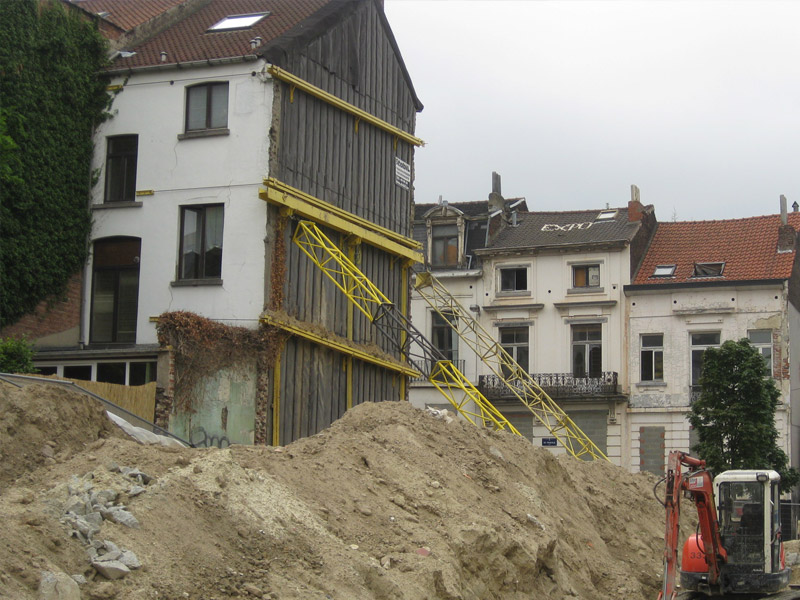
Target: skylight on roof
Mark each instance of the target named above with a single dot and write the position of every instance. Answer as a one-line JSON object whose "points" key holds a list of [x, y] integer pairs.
{"points": [[664, 271], [606, 215], [238, 21], [708, 269]]}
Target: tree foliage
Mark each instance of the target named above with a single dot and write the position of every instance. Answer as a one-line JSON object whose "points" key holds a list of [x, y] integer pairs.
{"points": [[16, 356], [735, 414], [53, 97]]}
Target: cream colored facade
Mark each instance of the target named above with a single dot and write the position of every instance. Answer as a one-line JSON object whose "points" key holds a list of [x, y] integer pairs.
{"points": [[679, 315]]}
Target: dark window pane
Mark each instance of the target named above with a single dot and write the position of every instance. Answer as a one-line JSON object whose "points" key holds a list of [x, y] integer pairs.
{"points": [[111, 372], [705, 339], [213, 242], [579, 360], [47, 370], [647, 365], [652, 341], [658, 366], [512, 280], [127, 305], [595, 361], [190, 240], [522, 357], [115, 290], [141, 373], [121, 168], [103, 297], [83, 372], [697, 366]]}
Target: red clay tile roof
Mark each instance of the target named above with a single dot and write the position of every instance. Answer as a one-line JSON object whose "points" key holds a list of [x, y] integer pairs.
{"points": [[127, 14], [189, 39], [748, 247]]}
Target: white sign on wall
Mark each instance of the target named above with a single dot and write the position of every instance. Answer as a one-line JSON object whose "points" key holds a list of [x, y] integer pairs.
{"points": [[402, 173]]}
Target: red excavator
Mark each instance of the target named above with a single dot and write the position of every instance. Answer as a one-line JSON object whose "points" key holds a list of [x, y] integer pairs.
{"points": [[738, 552]]}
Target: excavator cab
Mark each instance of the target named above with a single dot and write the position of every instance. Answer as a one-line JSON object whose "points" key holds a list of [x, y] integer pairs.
{"points": [[748, 514]]}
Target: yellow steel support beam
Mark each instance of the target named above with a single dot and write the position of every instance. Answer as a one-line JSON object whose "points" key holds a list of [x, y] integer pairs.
{"points": [[340, 347], [446, 378], [516, 379], [359, 114], [366, 296], [340, 220], [276, 401]]}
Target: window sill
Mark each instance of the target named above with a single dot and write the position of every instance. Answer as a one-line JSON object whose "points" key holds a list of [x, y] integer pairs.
{"points": [[107, 205], [586, 290], [201, 133], [514, 294], [651, 384], [195, 282]]}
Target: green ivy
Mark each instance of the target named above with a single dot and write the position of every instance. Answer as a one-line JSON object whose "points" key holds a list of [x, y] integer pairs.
{"points": [[52, 97], [16, 356]]}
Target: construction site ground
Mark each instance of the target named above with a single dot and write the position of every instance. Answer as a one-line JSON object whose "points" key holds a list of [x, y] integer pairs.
{"points": [[390, 502]]}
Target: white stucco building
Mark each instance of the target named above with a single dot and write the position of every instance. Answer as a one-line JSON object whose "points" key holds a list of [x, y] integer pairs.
{"points": [[548, 286], [703, 283]]}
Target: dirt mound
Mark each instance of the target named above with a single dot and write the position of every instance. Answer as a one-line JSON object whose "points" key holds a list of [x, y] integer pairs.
{"points": [[388, 503], [42, 422]]}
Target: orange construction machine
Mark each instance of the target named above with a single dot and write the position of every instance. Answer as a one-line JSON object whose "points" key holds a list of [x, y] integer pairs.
{"points": [[738, 552]]}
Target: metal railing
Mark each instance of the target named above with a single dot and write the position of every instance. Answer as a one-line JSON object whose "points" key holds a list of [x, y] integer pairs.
{"points": [[557, 385]]}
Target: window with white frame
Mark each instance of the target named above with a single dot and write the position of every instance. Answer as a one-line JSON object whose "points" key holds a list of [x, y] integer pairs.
{"points": [[652, 357], [700, 342], [587, 350], [586, 276], [444, 337], [513, 279], [515, 341], [762, 340], [444, 245]]}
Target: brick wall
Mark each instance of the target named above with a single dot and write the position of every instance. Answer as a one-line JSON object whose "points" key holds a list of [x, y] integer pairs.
{"points": [[54, 315]]}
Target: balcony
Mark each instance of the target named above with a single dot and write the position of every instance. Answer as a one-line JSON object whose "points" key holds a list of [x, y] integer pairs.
{"points": [[557, 385]]}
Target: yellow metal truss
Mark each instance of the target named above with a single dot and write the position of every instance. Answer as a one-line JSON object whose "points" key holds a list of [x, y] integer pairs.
{"points": [[502, 364], [366, 296]]}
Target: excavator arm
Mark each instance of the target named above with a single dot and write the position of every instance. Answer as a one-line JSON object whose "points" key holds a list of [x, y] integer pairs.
{"points": [[696, 484]]}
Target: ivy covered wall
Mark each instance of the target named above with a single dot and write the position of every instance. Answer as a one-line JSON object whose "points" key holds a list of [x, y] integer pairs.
{"points": [[52, 96]]}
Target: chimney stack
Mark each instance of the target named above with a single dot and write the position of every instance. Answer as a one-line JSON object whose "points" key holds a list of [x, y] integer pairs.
{"points": [[634, 205], [784, 216], [786, 233]]}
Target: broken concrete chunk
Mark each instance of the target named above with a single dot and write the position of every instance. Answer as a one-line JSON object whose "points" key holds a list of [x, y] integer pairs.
{"points": [[112, 569], [130, 560], [58, 586], [112, 555], [121, 516], [136, 490], [76, 505]]}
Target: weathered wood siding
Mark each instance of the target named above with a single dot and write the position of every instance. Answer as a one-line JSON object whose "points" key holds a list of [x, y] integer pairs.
{"points": [[319, 151]]}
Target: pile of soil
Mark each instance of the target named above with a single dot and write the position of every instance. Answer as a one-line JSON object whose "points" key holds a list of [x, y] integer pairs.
{"points": [[390, 502]]}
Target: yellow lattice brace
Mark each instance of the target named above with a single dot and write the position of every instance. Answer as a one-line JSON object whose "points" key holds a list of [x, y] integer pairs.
{"points": [[446, 378], [518, 381], [339, 268]]}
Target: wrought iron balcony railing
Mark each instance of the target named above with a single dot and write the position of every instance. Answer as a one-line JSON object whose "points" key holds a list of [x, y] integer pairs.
{"points": [[557, 385]]}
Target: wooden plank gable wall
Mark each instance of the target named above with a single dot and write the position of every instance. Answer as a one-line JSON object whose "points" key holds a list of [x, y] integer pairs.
{"points": [[319, 151]]}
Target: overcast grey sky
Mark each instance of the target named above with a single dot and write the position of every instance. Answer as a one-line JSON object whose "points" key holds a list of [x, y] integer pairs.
{"points": [[696, 102]]}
